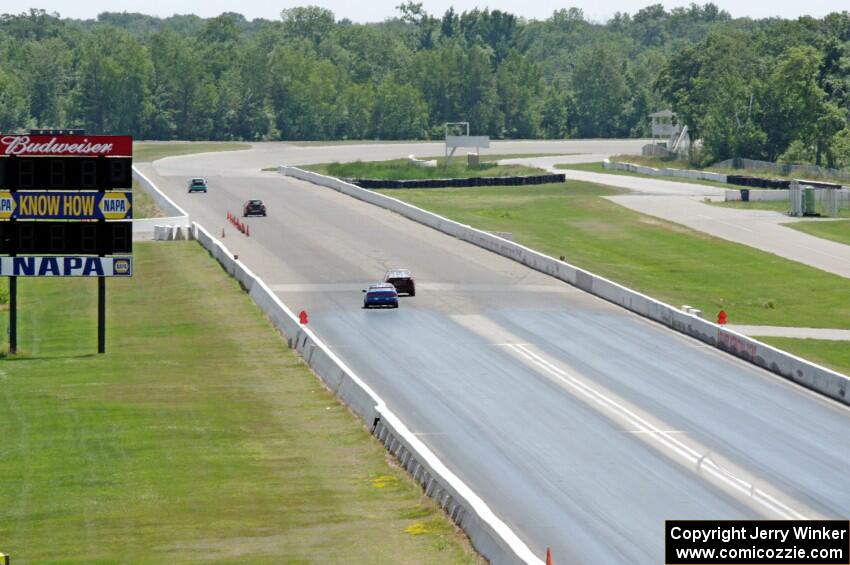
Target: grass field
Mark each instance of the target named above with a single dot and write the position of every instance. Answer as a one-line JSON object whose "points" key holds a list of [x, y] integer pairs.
{"points": [[664, 260], [199, 436], [832, 354], [401, 169], [144, 152], [143, 204], [836, 231], [598, 168]]}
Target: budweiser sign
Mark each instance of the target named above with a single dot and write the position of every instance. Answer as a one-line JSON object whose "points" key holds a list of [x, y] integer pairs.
{"points": [[66, 145]]}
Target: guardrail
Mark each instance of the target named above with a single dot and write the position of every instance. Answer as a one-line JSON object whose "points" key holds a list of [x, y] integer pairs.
{"points": [[817, 378], [488, 533]]}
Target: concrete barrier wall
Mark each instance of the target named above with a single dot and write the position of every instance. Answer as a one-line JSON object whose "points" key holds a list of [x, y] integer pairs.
{"points": [[679, 173], [177, 215], [823, 380], [147, 225], [760, 195], [488, 534], [783, 194]]}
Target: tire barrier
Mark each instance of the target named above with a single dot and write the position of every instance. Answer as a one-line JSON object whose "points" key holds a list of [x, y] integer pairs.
{"points": [[757, 182], [373, 184], [810, 375]]}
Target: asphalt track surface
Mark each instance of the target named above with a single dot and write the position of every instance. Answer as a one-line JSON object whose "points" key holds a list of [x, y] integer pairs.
{"points": [[583, 426]]}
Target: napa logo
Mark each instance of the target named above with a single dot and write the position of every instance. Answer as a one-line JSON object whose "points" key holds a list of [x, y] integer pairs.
{"points": [[66, 267], [121, 267]]}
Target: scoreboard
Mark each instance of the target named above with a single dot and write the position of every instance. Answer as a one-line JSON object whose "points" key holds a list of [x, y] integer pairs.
{"points": [[65, 211], [56, 193], [62, 237], [61, 173]]}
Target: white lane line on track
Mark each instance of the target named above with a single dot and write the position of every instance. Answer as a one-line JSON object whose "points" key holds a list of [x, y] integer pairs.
{"points": [[702, 462]]}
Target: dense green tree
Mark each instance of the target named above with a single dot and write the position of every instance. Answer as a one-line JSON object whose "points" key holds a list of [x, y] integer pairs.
{"points": [[601, 93], [113, 83], [772, 88], [458, 84], [520, 89], [13, 102], [399, 112]]}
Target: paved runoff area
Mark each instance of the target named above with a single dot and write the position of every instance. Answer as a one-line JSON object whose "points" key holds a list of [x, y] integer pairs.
{"points": [[583, 426], [683, 203]]}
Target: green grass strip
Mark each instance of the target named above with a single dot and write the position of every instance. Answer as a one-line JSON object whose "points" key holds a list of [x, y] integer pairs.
{"points": [[832, 354], [145, 152], [838, 230], [401, 169], [199, 436], [664, 260]]}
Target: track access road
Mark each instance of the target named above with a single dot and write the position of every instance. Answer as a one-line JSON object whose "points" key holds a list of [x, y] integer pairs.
{"points": [[583, 426]]}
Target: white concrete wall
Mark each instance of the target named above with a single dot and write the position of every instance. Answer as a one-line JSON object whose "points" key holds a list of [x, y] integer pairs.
{"points": [[760, 195], [678, 173], [488, 534], [177, 216], [146, 225], [823, 380], [783, 195]]}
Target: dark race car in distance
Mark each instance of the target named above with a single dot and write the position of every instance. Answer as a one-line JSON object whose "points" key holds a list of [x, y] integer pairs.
{"points": [[380, 294], [254, 208], [402, 280], [197, 184]]}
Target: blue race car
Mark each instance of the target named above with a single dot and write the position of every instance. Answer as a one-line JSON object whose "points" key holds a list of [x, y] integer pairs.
{"points": [[380, 294]]}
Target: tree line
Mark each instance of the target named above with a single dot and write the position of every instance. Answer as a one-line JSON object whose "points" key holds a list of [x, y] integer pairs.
{"points": [[770, 89]]}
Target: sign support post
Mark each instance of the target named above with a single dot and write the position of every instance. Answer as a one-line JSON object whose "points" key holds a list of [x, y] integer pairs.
{"points": [[101, 309], [13, 315], [101, 314]]}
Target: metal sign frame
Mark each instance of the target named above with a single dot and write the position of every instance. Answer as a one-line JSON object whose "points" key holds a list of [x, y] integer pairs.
{"points": [[452, 142], [64, 160]]}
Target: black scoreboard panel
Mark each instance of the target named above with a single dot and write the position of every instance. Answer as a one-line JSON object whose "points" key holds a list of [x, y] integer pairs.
{"points": [[66, 238], [65, 173]]}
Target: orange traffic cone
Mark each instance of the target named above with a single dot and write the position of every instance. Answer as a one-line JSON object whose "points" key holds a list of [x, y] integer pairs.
{"points": [[548, 556]]}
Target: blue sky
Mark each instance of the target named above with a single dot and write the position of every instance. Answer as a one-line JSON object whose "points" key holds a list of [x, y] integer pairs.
{"points": [[377, 10]]}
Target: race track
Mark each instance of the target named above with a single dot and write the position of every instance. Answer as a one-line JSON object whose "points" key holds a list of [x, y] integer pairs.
{"points": [[583, 426]]}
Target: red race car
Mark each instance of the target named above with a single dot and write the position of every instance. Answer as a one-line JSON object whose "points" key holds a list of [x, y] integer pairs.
{"points": [[254, 208], [402, 280]]}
